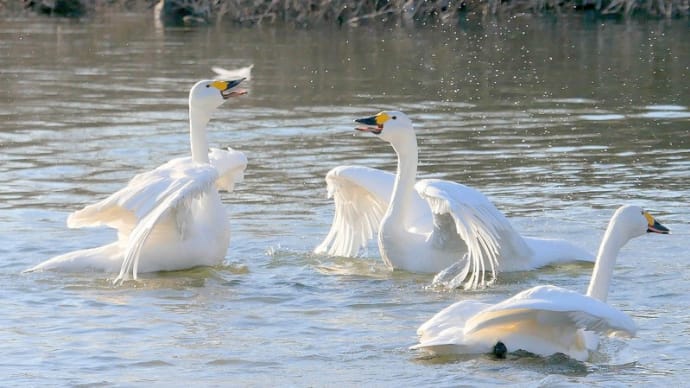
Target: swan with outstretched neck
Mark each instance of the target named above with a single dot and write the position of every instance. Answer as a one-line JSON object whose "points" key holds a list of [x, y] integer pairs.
{"points": [[543, 320], [431, 225], [170, 218]]}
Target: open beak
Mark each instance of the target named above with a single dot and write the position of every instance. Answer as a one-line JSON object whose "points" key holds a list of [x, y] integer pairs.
{"points": [[656, 227], [653, 226], [371, 124], [228, 88]]}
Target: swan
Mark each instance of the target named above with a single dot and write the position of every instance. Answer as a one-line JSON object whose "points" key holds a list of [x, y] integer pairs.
{"points": [[543, 320], [431, 225], [170, 218]]}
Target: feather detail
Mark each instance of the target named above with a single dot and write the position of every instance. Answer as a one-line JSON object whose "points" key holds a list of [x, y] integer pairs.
{"points": [[580, 311], [178, 200], [361, 197], [230, 165], [477, 222]]}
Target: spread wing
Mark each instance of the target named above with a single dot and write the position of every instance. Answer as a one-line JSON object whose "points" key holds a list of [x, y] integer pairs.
{"points": [[128, 206], [463, 212], [125, 208], [542, 320], [551, 306], [170, 187], [230, 165], [361, 196]]}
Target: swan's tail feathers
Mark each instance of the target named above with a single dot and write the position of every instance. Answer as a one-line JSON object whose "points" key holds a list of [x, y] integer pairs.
{"points": [[477, 222], [444, 332], [230, 165], [106, 258], [361, 198]]}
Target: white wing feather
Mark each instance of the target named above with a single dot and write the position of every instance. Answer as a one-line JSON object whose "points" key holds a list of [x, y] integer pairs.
{"points": [[453, 316], [128, 206], [483, 228], [178, 182], [551, 305], [230, 165], [542, 320], [361, 196], [137, 208]]}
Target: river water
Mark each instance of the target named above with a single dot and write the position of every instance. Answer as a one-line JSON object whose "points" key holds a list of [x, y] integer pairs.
{"points": [[558, 121]]}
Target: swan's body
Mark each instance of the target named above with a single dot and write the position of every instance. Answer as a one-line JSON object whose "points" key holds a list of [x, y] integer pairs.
{"points": [[543, 320], [170, 218], [430, 225]]}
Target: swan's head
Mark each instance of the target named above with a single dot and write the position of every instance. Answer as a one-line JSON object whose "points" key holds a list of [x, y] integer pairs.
{"points": [[388, 125], [210, 94], [635, 221]]}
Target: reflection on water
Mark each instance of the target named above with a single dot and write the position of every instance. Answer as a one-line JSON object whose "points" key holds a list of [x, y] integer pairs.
{"points": [[557, 122]]}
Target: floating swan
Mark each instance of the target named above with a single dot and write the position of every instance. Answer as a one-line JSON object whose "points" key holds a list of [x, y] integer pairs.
{"points": [[440, 226], [170, 218], [543, 320]]}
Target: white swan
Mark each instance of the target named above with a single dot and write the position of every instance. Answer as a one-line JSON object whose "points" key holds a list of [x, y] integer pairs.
{"points": [[543, 320], [170, 218], [440, 226]]}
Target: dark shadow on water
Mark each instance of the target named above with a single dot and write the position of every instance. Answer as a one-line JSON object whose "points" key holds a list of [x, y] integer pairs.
{"points": [[558, 364], [555, 364]]}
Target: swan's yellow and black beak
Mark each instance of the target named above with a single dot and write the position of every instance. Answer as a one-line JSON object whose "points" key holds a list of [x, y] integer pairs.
{"points": [[228, 88], [653, 226], [373, 124]]}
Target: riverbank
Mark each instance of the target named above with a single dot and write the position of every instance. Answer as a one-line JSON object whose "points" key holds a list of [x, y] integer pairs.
{"points": [[347, 12]]}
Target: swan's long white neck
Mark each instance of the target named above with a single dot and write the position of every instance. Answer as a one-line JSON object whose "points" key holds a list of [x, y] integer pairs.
{"points": [[606, 261], [198, 119], [403, 190]]}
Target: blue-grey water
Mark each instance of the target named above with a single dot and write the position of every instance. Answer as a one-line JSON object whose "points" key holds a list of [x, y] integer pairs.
{"points": [[558, 121]]}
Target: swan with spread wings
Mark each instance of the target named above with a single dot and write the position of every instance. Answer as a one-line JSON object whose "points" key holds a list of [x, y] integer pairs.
{"points": [[170, 218], [431, 225], [543, 320]]}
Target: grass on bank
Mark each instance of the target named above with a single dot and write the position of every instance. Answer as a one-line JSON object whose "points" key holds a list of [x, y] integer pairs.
{"points": [[349, 12]]}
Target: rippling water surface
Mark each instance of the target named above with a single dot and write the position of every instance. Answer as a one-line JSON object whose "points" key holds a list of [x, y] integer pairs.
{"points": [[557, 122]]}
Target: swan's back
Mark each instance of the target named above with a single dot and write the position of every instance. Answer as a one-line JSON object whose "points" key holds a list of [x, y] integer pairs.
{"points": [[580, 310], [542, 320]]}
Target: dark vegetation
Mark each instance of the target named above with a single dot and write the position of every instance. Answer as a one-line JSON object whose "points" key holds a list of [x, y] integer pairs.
{"points": [[347, 12]]}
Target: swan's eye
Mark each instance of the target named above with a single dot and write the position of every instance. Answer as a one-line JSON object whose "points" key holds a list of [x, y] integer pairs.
{"points": [[394, 118], [208, 86]]}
